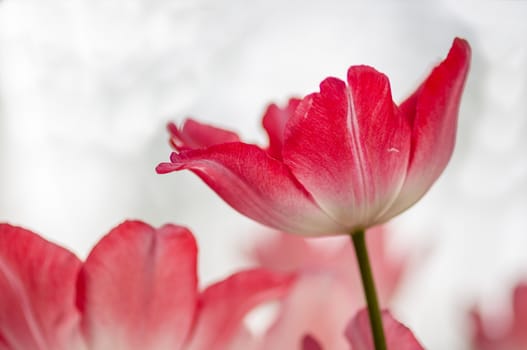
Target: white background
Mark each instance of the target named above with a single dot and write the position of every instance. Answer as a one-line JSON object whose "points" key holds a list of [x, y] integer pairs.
{"points": [[86, 88]]}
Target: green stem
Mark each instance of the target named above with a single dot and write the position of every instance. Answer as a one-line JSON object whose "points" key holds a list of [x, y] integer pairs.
{"points": [[359, 242]]}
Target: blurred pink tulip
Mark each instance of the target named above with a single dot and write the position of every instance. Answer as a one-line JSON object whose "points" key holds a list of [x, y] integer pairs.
{"points": [[486, 335], [335, 256], [342, 159], [358, 333], [398, 336], [327, 292], [136, 290]]}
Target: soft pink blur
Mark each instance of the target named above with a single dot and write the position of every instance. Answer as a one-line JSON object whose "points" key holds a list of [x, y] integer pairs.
{"points": [[486, 334], [328, 291]]}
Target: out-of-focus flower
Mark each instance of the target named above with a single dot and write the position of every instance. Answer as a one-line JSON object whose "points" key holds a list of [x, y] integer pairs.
{"points": [[334, 256], [487, 335], [398, 336], [358, 333], [136, 290], [342, 159], [327, 292]]}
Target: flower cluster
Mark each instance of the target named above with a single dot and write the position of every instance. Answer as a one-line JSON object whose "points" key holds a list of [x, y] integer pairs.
{"points": [[138, 290], [339, 161]]}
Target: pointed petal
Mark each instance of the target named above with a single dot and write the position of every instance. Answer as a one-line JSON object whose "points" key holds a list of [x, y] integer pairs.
{"points": [[224, 305], [480, 339], [397, 335], [138, 288], [349, 146], [256, 185], [433, 111], [489, 334], [37, 298], [274, 121], [194, 134], [310, 343]]}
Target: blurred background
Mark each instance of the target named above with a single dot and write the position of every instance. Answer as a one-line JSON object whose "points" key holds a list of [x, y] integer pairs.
{"points": [[86, 88]]}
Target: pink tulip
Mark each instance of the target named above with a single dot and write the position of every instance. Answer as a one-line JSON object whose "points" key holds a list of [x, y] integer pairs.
{"points": [[136, 290], [333, 256], [327, 292], [358, 333], [490, 335], [398, 336], [342, 159]]}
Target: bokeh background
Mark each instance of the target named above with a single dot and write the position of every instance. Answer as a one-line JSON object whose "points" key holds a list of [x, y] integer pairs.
{"points": [[86, 88]]}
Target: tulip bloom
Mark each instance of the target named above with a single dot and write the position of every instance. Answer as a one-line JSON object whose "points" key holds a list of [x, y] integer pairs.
{"points": [[340, 160], [137, 290], [490, 335], [359, 336], [334, 256], [327, 291]]}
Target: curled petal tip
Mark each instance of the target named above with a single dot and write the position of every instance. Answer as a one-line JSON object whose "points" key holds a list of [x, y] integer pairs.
{"points": [[461, 50], [462, 43], [172, 129], [165, 168]]}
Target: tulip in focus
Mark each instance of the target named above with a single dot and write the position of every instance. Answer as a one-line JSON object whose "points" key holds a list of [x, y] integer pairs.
{"points": [[486, 336], [339, 160]]}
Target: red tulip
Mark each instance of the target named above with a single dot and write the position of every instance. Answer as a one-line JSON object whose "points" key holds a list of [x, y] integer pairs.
{"points": [[137, 290], [342, 159]]}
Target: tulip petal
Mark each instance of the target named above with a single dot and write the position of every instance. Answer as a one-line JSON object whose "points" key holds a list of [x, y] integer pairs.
{"points": [[274, 122], [433, 110], [349, 146], [520, 311], [37, 298], [489, 334], [194, 134], [138, 288], [398, 336], [319, 304], [223, 306], [285, 252], [310, 343], [256, 185]]}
